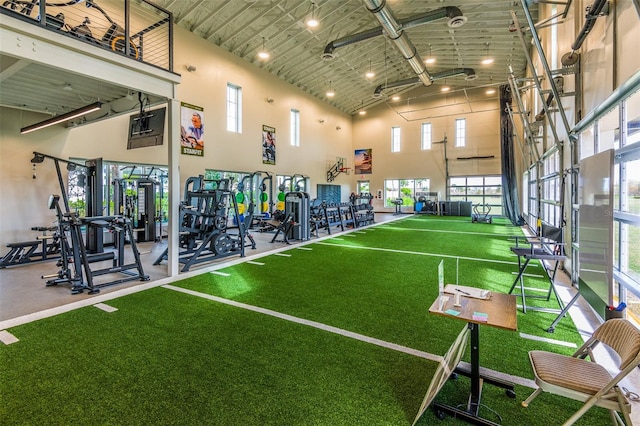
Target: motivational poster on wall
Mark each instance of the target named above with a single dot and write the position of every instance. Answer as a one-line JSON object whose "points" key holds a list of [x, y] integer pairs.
{"points": [[191, 130], [268, 145]]}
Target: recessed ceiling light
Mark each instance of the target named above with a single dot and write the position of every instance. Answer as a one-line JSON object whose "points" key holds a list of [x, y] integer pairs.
{"points": [[395, 98]]}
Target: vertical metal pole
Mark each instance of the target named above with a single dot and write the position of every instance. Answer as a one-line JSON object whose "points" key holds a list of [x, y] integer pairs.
{"points": [[63, 189], [476, 387], [174, 186], [127, 23], [545, 65]]}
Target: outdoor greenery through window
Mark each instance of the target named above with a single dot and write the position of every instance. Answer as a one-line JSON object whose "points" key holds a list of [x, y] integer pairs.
{"points": [[461, 132], [295, 127], [128, 175], [426, 136], [395, 139], [485, 192], [234, 108], [406, 189], [363, 187], [605, 134]]}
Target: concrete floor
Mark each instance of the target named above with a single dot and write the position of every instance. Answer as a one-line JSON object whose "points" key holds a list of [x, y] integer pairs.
{"points": [[23, 291]]}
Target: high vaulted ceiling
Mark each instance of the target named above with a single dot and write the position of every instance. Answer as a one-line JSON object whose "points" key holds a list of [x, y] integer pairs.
{"points": [[242, 26]]}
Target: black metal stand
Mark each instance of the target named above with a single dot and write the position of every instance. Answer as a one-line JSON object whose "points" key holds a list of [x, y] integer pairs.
{"points": [[470, 415]]}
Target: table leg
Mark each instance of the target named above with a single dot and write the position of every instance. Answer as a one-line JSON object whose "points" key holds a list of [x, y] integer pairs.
{"points": [[470, 415]]}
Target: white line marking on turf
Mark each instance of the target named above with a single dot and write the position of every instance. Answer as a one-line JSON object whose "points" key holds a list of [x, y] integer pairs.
{"points": [[253, 262], [359, 232], [338, 239], [304, 248], [446, 231], [309, 323], [342, 332], [105, 307], [418, 253], [350, 235], [282, 254], [223, 274], [547, 340], [7, 338]]}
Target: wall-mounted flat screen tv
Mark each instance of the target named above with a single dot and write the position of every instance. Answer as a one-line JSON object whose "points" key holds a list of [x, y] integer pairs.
{"points": [[146, 129]]}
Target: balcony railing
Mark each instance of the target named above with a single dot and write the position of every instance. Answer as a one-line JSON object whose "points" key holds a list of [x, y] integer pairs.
{"points": [[136, 29]]}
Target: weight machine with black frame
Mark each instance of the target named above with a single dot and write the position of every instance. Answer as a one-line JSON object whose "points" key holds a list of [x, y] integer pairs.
{"points": [[135, 198], [75, 260], [204, 215], [77, 254]]}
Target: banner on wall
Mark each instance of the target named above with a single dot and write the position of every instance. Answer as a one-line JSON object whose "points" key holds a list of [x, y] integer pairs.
{"points": [[362, 162], [191, 129], [268, 145]]}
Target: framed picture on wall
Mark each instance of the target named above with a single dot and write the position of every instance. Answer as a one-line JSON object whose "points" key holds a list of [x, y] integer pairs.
{"points": [[363, 161]]}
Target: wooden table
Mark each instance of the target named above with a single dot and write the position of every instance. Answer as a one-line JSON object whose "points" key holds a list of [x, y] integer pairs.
{"points": [[501, 312]]}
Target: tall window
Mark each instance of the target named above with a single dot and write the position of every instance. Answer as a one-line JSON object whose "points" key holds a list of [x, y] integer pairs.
{"points": [[461, 132], [395, 139], [295, 127], [426, 136], [234, 108]]}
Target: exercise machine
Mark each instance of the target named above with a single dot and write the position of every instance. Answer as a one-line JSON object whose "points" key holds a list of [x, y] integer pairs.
{"points": [[297, 207], [481, 213], [135, 198], [427, 203], [204, 216], [27, 251], [75, 258]]}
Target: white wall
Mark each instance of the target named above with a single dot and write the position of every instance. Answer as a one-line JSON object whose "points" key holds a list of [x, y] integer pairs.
{"points": [[24, 199]]}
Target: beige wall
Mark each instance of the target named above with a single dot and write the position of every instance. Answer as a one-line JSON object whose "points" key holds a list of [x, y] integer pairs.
{"points": [[427, 105], [24, 199], [608, 59]]}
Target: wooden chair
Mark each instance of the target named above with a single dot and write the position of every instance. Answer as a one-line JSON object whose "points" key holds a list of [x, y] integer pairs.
{"points": [[585, 380]]}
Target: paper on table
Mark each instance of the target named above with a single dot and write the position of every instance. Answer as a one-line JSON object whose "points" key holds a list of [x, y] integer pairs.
{"points": [[476, 293]]}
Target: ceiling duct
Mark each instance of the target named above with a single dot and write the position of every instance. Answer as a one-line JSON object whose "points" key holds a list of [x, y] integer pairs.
{"points": [[594, 11], [469, 73], [453, 13]]}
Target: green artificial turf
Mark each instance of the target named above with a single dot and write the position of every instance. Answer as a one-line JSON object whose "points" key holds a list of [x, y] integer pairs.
{"points": [[171, 358]]}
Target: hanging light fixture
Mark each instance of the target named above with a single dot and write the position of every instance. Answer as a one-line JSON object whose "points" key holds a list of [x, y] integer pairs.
{"points": [[370, 74], [330, 92], [487, 59], [62, 117], [312, 22], [490, 90], [262, 53], [430, 59], [362, 110]]}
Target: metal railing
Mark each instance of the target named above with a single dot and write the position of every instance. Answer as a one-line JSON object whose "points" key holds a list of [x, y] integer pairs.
{"points": [[139, 30]]}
